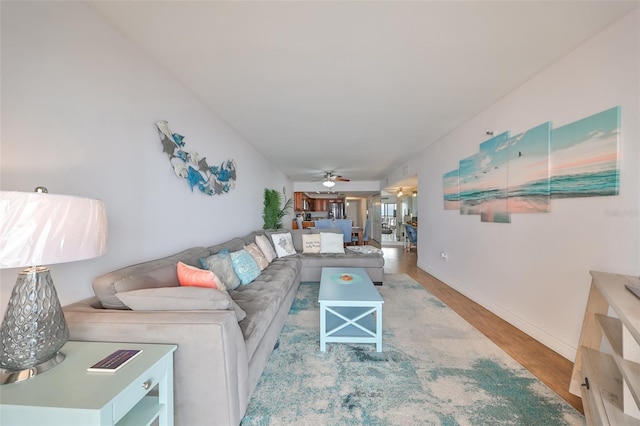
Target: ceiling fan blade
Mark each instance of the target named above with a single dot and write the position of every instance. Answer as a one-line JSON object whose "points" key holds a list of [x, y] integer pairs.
{"points": [[341, 179]]}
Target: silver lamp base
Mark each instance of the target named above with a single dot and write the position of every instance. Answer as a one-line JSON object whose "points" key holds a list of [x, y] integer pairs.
{"points": [[33, 330], [10, 376]]}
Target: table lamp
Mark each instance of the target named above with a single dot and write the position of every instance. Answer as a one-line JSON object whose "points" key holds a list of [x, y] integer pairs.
{"points": [[36, 229]]}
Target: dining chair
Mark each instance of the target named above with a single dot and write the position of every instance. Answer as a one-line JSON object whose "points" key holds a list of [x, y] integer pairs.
{"points": [[365, 235], [345, 225], [412, 236], [323, 223]]}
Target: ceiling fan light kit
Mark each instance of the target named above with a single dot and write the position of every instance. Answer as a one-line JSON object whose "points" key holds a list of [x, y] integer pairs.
{"points": [[328, 183], [330, 179]]}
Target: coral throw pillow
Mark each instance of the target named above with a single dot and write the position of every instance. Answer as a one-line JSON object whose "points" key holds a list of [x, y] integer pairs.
{"points": [[196, 277]]}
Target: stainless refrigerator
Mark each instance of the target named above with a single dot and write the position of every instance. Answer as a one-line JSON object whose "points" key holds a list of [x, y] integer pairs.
{"points": [[335, 210]]}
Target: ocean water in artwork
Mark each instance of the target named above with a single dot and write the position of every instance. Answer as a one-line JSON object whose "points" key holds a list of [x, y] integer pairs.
{"points": [[450, 190], [584, 156], [597, 183], [483, 181], [471, 195], [529, 189], [493, 177]]}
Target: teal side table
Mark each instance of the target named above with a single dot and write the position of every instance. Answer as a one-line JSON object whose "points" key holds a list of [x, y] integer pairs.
{"points": [[70, 395]]}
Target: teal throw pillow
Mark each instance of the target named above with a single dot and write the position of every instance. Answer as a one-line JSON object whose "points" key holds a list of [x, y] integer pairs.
{"points": [[245, 266], [221, 265]]}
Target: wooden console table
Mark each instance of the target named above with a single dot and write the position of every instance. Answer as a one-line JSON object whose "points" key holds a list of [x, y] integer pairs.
{"points": [[609, 383]]}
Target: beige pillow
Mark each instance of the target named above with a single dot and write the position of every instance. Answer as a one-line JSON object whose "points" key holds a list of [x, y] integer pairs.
{"points": [[311, 243], [331, 243], [180, 299], [258, 256], [265, 246]]}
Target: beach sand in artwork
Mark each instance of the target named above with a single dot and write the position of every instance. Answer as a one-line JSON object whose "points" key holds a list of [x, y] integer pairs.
{"points": [[529, 204], [495, 211], [470, 208], [451, 205]]}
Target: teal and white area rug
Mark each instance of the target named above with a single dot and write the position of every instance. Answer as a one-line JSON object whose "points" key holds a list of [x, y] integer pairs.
{"points": [[435, 369]]}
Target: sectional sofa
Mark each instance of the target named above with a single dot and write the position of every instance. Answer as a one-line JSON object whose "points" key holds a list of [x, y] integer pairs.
{"points": [[219, 359]]}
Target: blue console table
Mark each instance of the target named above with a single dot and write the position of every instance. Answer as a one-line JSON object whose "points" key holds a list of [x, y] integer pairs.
{"points": [[137, 394]]}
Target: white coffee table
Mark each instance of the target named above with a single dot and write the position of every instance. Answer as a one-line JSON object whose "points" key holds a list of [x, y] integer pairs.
{"points": [[350, 310]]}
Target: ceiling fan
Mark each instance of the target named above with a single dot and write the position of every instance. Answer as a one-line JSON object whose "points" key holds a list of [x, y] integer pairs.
{"points": [[329, 179]]}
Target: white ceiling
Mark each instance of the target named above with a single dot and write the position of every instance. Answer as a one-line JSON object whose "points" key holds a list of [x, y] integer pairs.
{"points": [[357, 87]]}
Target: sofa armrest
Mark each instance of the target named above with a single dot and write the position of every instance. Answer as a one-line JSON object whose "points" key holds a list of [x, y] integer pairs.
{"points": [[210, 363]]}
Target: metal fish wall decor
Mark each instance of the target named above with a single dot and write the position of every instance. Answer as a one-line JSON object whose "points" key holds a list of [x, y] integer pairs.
{"points": [[211, 180]]}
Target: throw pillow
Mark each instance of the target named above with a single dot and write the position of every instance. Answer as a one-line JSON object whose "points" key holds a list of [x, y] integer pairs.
{"points": [[245, 266], [311, 243], [192, 276], [180, 299], [331, 243], [257, 255], [283, 244], [264, 245], [221, 265]]}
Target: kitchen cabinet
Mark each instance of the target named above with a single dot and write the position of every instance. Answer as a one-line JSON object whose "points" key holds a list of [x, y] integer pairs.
{"points": [[320, 205], [300, 201]]}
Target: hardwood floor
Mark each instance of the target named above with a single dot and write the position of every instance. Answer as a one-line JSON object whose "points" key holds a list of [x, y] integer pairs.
{"points": [[549, 367]]}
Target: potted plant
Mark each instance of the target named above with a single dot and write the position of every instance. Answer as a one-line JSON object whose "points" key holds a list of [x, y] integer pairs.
{"points": [[274, 211]]}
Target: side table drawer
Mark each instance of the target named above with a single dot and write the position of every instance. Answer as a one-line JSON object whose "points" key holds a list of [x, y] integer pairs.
{"points": [[139, 388], [70, 395]]}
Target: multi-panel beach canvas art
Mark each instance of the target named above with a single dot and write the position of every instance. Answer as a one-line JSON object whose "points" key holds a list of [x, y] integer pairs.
{"points": [[451, 190], [584, 156], [483, 181], [528, 181], [492, 179], [469, 199], [522, 173]]}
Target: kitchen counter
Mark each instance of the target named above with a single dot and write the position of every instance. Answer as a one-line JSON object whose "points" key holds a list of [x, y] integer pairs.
{"points": [[305, 224]]}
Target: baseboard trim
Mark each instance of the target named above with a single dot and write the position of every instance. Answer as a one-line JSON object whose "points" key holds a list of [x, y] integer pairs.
{"points": [[553, 343]]}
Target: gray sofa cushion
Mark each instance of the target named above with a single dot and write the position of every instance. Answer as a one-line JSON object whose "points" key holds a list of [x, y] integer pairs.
{"points": [[152, 274], [364, 260], [233, 245], [251, 238], [180, 299], [262, 298]]}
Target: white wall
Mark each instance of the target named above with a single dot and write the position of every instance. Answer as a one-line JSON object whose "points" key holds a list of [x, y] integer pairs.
{"points": [[534, 272], [79, 104]]}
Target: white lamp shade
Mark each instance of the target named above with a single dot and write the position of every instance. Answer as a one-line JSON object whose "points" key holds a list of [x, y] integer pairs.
{"points": [[43, 229]]}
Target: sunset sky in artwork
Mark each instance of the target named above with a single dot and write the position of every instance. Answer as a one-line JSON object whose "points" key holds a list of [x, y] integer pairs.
{"points": [[529, 156], [586, 146], [521, 173]]}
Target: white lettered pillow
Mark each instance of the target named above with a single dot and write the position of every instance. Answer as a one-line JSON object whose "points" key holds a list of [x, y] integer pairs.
{"points": [[265, 246], [311, 243], [283, 244], [331, 243]]}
